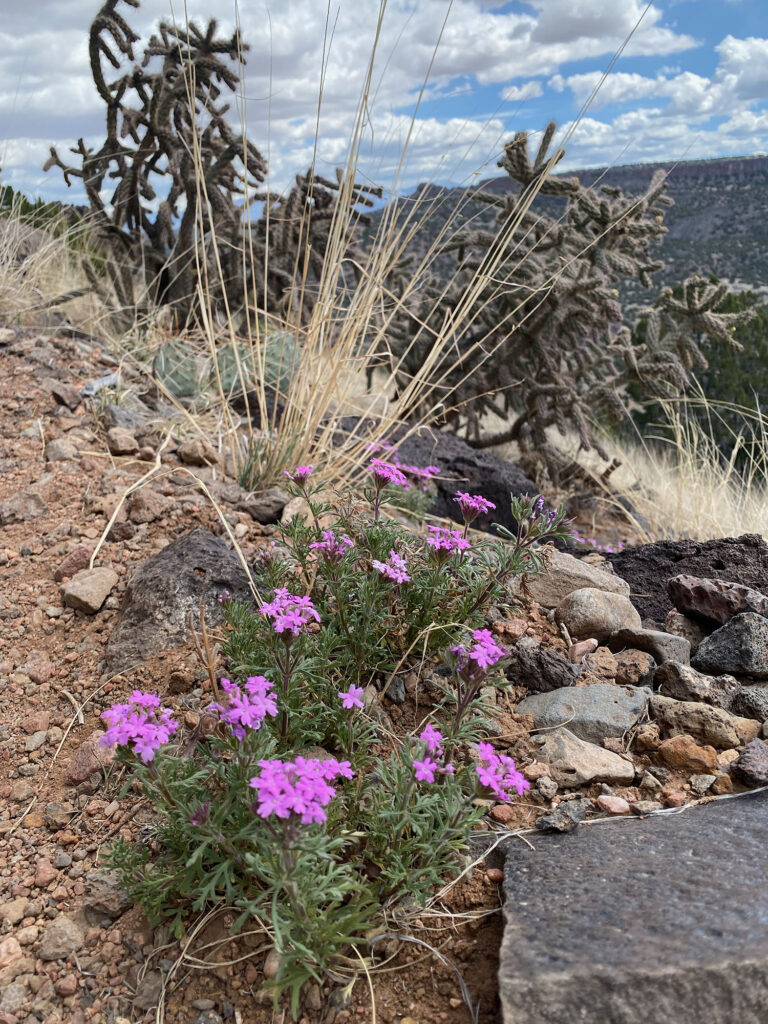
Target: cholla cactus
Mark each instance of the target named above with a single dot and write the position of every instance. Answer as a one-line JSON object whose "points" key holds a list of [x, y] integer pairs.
{"points": [[546, 343], [184, 180]]}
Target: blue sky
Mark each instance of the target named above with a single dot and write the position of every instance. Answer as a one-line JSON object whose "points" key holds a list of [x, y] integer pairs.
{"points": [[692, 82]]}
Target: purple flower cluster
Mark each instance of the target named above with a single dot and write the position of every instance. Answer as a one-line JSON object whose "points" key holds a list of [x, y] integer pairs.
{"points": [[300, 475], [332, 548], [445, 541], [290, 612], [247, 710], [545, 516], [498, 773], [425, 768], [384, 473], [298, 787], [141, 723], [352, 698], [472, 505], [423, 474], [480, 657], [608, 549], [394, 569]]}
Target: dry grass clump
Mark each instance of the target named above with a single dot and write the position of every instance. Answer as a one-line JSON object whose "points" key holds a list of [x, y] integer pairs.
{"points": [[41, 270]]}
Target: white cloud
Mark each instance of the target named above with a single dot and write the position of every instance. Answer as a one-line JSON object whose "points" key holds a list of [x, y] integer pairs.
{"points": [[516, 93]]}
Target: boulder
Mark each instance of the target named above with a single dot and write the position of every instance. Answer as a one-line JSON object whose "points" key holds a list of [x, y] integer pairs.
{"points": [[662, 646], [752, 766], [751, 702], [707, 724], [684, 683], [681, 625], [714, 600], [564, 574], [166, 589], [644, 922], [648, 567], [574, 762], [596, 613], [590, 712], [740, 647], [463, 468]]}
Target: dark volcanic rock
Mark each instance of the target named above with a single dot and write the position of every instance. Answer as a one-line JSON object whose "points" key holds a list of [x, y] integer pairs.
{"points": [[648, 567], [166, 589], [752, 702], [752, 765], [714, 600], [539, 668], [463, 468], [638, 923], [739, 648]]}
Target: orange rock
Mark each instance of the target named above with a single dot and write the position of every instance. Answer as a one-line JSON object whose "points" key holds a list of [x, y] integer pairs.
{"points": [[721, 785], [684, 752]]}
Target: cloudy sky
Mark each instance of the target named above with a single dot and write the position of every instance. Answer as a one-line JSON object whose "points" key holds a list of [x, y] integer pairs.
{"points": [[691, 82]]}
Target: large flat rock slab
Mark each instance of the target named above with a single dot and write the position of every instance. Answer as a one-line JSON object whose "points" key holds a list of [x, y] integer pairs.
{"points": [[642, 921]]}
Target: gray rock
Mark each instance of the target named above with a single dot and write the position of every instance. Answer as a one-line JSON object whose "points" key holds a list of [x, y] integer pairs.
{"points": [[60, 450], [539, 667], [148, 991], [751, 768], [61, 938], [104, 896], [121, 441], [163, 592], [198, 452], [681, 625], [146, 506], [740, 647], [88, 589], [563, 575], [13, 998], [595, 613], [65, 394], [566, 817], [714, 600], [752, 702], [701, 784], [265, 506], [575, 762], [684, 683], [615, 924], [590, 712], [662, 646], [705, 723], [21, 507]]}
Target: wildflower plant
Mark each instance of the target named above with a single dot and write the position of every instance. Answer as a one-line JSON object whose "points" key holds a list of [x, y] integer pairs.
{"points": [[290, 800]]}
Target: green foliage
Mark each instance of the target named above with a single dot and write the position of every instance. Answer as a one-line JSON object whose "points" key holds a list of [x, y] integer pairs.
{"points": [[319, 886]]}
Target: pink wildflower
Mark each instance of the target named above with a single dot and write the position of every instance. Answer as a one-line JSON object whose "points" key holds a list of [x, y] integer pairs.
{"points": [[395, 569], [298, 787], [384, 473], [141, 723], [498, 773], [485, 652], [445, 541], [290, 612], [247, 710], [333, 548], [472, 505], [424, 770], [351, 698], [433, 739], [300, 475]]}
